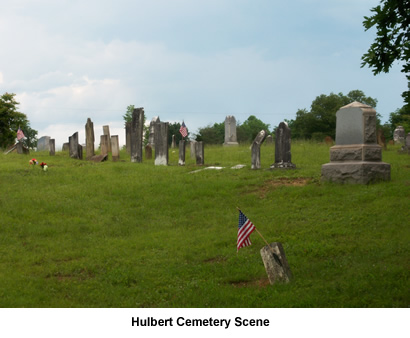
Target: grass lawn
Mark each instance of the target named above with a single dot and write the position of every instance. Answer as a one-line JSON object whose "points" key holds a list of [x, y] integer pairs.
{"points": [[122, 234]]}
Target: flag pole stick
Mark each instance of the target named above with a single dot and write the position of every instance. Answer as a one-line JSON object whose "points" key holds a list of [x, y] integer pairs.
{"points": [[258, 232]]}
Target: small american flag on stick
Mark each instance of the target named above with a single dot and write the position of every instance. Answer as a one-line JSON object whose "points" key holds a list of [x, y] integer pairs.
{"points": [[245, 228], [183, 130], [20, 134]]}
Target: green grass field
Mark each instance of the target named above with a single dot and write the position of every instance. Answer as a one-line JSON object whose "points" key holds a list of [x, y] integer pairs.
{"points": [[122, 234]]}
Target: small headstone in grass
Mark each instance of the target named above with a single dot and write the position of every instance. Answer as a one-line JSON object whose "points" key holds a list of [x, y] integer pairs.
{"points": [[115, 148], [104, 144], [148, 152], [269, 140], [106, 131], [276, 264], [399, 135], [89, 139], [199, 153], [161, 143], [230, 131], [256, 149], [174, 142], [99, 158], [52, 147], [137, 134], [283, 157], [181, 160], [192, 145], [66, 146]]}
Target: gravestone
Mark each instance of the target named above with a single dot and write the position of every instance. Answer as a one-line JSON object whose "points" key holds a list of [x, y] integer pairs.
{"points": [[52, 147], [181, 160], [89, 139], [256, 149], [151, 140], [381, 140], [43, 143], [106, 131], [199, 153], [137, 134], [148, 152], [356, 156], [399, 135], [173, 142], [115, 148], [66, 146], [75, 149], [283, 157], [406, 148], [276, 264], [104, 144], [230, 131], [128, 137], [21, 148], [192, 148], [161, 143], [269, 140]]}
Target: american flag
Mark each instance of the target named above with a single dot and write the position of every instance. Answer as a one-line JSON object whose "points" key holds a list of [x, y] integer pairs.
{"points": [[183, 130], [245, 228], [20, 134]]}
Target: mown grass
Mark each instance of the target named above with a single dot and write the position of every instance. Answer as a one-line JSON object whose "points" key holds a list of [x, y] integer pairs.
{"points": [[122, 234]]}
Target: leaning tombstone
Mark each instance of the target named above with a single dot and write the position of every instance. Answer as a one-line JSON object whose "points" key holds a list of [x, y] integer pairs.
{"points": [[43, 143], [52, 147], [399, 135], [283, 156], [104, 144], [199, 153], [161, 143], [192, 147], [181, 160], [148, 152], [106, 131], [356, 156], [256, 149], [89, 139], [115, 148], [137, 134], [276, 264], [230, 131]]}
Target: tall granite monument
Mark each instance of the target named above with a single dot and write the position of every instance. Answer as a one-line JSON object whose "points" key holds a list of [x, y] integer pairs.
{"points": [[230, 131], [356, 156]]}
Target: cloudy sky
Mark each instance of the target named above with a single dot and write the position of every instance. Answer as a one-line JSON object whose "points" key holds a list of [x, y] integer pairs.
{"points": [[191, 60]]}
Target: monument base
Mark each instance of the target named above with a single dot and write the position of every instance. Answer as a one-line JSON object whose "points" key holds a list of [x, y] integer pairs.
{"points": [[356, 172], [283, 165], [228, 144]]}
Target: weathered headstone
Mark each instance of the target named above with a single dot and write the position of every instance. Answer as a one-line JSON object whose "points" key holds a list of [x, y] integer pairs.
{"points": [[161, 143], [106, 131], [137, 133], [104, 144], [181, 160], [128, 137], [43, 143], [192, 148], [399, 135], [66, 146], [99, 158], [406, 147], [256, 149], [148, 152], [115, 148], [199, 153], [230, 131], [173, 142], [89, 139], [21, 148], [151, 140], [52, 147], [283, 157], [276, 264], [356, 157], [75, 149]]}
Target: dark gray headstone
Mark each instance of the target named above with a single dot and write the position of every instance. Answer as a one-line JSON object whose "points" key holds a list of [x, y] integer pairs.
{"points": [[137, 134], [52, 147], [276, 264], [74, 146], [128, 137], [199, 153], [181, 160], [66, 146], [283, 157], [173, 142], [89, 139], [161, 143]]}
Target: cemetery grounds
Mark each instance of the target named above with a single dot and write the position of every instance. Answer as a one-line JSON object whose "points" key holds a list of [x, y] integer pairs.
{"points": [[122, 234]]}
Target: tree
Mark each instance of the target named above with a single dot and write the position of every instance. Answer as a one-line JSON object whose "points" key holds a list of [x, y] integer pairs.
{"points": [[392, 21], [212, 134], [247, 131], [128, 115], [320, 121], [10, 120]]}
